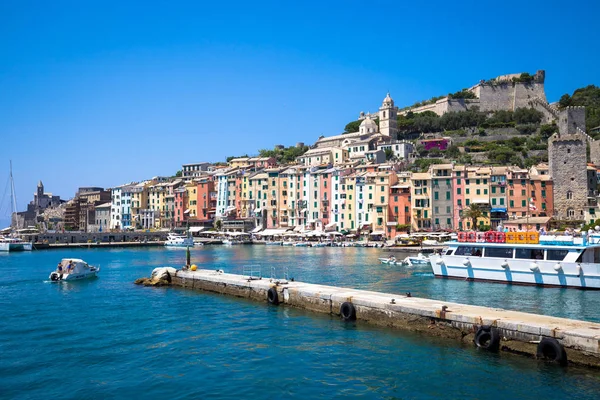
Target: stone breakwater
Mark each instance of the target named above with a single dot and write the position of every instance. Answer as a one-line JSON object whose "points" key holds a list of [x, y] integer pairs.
{"points": [[513, 331]]}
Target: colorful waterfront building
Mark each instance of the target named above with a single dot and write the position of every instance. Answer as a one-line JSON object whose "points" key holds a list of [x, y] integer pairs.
{"points": [[519, 192], [257, 193], [181, 206], [381, 181], [206, 200], [477, 192], [400, 208], [498, 196], [442, 203], [421, 202], [139, 202], [458, 197], [348, 194]]}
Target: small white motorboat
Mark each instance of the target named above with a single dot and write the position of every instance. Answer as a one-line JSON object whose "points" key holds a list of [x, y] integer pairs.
{"points": [[72, 269], [420, 260], [301, 244], [389, 260]]}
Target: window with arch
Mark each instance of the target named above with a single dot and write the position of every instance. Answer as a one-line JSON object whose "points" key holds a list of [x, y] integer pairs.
{"points": [[569, 195], [570, 213]]}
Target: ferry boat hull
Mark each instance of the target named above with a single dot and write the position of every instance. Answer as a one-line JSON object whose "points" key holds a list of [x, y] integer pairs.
{"points": [[542, 272]]}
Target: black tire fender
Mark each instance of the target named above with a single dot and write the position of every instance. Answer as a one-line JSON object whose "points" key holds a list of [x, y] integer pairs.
{"points": [[487, 338], [550, 349], [273, 296], [348, 311]]}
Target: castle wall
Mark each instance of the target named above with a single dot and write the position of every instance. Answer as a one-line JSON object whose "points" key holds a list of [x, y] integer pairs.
{"points": [[570, 119], [509, 95], [595, 152]]}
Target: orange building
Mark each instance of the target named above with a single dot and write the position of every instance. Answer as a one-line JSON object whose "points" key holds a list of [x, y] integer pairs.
{"points": [[207, 200], [399, 209]]}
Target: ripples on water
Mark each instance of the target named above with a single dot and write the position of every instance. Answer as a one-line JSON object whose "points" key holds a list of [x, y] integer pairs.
{"points": [[108, 338]]}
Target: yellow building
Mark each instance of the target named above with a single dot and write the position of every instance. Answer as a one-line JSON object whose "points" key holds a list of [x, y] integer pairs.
{"points": [[139, 202], [257, 196], [477, 187], [348, 195], [381, 191], [421, 201], [192, 194]]}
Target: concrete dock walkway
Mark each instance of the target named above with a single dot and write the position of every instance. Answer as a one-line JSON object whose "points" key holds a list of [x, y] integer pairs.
{"points": [[519, 332]]}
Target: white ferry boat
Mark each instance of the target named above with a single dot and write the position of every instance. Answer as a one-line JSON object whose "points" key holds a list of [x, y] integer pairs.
{"points": [[14, 244], [174, 240], [522, 258]]}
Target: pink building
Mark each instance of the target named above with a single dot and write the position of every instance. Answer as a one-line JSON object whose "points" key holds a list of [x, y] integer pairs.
{"points": [[438, 143], [181, 204], [325, 200]]}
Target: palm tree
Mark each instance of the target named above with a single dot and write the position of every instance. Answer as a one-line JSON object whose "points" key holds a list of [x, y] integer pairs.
{"points": [[473, 212]]}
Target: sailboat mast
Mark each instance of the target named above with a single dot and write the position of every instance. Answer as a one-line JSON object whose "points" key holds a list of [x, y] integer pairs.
{"points": [[13, 197], [13, 194]]}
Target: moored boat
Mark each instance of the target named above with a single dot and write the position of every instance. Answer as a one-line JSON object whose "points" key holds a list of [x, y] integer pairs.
{"points": [[389, 260], [420, 260], [175, 240], [522, 258], [72, 269], [14, 244]]}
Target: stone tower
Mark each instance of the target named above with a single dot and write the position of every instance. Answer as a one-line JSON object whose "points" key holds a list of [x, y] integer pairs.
{"points": [[39, 195], [568, 166], [388, 114]]}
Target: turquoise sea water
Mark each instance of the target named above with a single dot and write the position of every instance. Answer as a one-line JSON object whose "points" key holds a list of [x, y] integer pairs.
{"points": [[108, 338]]}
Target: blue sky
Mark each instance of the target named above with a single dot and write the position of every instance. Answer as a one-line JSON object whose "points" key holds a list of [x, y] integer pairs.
{"points": [[101, 93]]}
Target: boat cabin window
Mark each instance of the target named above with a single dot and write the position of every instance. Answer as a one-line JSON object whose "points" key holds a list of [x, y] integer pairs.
{"points": [[556, 255], [449, 252], [530, 254], [589, 256], [500, 252], [468, 251]]}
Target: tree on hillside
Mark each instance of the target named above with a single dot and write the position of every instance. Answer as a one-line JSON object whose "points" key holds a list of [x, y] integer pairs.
{"points": [[389, 154], [352, 126], [178, 174], [473, 212], [589, 97]]}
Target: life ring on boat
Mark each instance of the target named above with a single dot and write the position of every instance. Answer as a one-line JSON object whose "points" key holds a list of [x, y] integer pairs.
{"points": [[462, 236], [347, 311], [54, 276], [273, 296], [480, 237], [471, 237], [521, 237], [549, 349], [500, 237], [490, 237], [487, 338]]}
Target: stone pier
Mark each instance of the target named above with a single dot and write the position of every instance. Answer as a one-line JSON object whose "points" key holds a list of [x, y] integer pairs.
{"points": [[519, 332]]}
